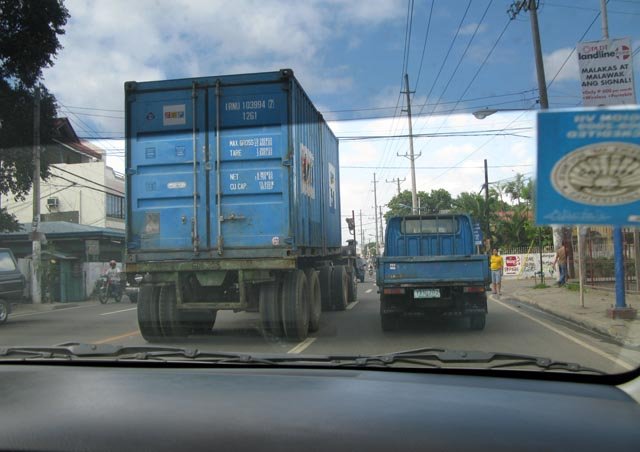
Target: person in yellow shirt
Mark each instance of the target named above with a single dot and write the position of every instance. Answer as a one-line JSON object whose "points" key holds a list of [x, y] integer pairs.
{"points": [[496, 271]]}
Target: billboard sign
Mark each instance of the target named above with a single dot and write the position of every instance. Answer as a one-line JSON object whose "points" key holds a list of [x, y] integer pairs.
{"points": [[589, 167], [606, 72]]}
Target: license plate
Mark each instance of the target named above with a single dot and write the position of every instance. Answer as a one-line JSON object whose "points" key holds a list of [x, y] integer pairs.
{"points": [[426, 293]]}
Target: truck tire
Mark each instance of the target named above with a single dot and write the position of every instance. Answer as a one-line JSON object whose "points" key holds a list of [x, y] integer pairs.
{"points": [[295, 306], [269, 306], [148, 312], [340, 288], [315, 299], [324, 275], [353, 288], [4, 311], [170, 324], [198, 322], [477, 322]]}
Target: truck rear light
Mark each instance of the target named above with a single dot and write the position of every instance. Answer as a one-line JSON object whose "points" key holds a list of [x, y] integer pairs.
{"points": [[473, 289], [393, 291]]}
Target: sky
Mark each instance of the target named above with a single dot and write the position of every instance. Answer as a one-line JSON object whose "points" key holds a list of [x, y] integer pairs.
{"points": [[460, 56]]}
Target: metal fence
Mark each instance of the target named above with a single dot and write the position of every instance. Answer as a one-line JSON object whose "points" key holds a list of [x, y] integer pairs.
{"points": [[598, 256]]}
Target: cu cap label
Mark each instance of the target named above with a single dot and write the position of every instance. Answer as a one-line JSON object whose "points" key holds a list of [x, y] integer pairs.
{"points": [[599, 174]]}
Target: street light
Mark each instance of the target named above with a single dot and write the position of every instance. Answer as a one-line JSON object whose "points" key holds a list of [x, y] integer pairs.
{"points": [[481, 114]]}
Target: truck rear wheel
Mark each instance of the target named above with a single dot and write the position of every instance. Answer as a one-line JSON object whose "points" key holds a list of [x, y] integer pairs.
{"points": [[315, 299], [168, 315], [324, 275], [353, 288], [295, 306], [148, 312], [340, 288], [269, 306]]}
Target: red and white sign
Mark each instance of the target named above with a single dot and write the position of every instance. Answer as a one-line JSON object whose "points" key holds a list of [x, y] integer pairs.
{"points": [[606, 72]]}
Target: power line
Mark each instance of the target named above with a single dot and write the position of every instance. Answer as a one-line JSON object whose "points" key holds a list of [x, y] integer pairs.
{"points": [[447, 55], [586, 8], [464, 53], [475, 75], [573, 50], [424, 45], [88, 180], [436, 167]]}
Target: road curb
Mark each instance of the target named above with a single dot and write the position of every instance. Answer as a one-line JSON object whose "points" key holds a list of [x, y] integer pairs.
{"points": [[620, 340]]}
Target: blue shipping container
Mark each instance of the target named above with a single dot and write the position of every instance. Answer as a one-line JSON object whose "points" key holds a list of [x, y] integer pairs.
{"points": [[238, 166]]}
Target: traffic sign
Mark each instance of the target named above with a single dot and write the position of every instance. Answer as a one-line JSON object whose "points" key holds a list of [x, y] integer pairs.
{"points": [[589, 167], [477, 234]]}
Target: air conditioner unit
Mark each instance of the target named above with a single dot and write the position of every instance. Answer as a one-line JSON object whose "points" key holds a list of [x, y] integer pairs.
{"points": [[52, 203]]}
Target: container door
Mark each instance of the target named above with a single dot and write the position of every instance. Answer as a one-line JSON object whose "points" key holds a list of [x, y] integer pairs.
{"points": [[167, 161], [250, 192]]}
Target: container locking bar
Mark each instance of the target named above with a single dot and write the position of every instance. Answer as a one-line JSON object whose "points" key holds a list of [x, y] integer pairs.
{"points": [[218, 170], [195, 239]]}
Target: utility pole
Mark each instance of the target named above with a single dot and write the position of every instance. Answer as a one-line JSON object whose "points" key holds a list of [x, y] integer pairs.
{"points": [[36, 248], [396, 180], [532, 7], [381, 227], [412, 158], [487, 230], [361, 235], [375, 209]]}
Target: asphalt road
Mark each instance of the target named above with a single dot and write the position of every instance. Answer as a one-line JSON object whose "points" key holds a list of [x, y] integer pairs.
{"points": [[511, 327]]}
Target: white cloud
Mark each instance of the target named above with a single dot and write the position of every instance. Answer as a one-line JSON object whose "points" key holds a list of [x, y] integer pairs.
{"points": [[109, 42], [470, 28], [553, 62]]}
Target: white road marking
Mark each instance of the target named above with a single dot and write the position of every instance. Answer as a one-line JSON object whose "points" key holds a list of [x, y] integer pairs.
{"points": [[302, 345], [47, 312], [121, 310], [351, 305], [583, 344], [368, 291]]}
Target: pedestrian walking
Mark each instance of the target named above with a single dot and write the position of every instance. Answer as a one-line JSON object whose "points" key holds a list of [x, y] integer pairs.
{"points": [[496, 271], [561, 261]]}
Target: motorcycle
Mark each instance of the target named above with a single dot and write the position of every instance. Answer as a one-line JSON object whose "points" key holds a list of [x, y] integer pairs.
{"points": [[108, 288]]}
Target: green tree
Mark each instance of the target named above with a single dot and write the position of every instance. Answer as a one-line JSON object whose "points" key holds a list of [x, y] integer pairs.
{"points": [[433, 202], [29, 34]]}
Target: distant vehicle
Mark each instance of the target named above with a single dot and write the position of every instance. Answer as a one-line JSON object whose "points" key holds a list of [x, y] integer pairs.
{"points": [[232, 205], [361, 265], [110, 288], [430, 267], [11, 283], [132, 288]]}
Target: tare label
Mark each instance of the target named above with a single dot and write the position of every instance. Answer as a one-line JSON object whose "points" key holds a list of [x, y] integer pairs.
{"points": [[251, 146], [252, 181]]}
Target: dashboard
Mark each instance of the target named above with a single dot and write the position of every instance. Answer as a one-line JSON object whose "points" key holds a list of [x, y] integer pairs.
{"points": [[99, 408]]}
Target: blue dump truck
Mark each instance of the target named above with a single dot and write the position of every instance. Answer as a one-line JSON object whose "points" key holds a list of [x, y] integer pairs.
{"points": [[233, 203], [430, 268]]}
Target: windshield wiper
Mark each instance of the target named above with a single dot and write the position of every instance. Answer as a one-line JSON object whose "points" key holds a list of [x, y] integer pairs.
{"points": [[497, 360], [74, 350], [423, 357]]}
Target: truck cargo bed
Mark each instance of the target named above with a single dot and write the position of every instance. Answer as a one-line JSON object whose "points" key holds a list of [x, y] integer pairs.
{"points": [[433, 270]]}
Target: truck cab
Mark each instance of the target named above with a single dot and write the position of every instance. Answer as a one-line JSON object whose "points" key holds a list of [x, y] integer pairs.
{"points": [[431, 268]]}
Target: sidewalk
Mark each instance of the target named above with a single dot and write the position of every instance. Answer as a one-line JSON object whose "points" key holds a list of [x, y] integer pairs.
{"points": [[27, 308], [565, 303]]}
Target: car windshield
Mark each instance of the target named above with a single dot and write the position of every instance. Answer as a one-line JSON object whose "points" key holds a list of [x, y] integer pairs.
{"points": [[345, 180]]}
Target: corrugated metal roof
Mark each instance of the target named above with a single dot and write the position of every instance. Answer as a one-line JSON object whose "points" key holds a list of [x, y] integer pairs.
{"points": [[65, 228]]}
